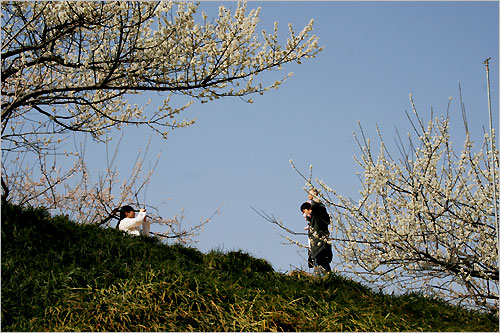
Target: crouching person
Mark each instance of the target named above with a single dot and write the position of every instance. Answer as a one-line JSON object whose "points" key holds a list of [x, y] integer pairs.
{"points": [[133, 224]]}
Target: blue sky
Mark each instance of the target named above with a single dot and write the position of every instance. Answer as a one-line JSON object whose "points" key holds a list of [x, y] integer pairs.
{"points": [[375, 54]]}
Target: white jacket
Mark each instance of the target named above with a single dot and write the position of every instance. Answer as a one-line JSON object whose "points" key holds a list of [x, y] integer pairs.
{"points": [[133, 225]]}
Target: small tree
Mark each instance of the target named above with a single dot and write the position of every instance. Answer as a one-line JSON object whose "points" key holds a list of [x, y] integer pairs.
{"points": [[71, 67], [425, 221]]}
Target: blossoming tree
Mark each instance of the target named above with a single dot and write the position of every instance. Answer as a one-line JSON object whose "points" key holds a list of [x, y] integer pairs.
{"points": [[425, 221], [73, 67]]}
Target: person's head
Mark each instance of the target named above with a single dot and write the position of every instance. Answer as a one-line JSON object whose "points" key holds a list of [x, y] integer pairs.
{"points": [[127, 211], [306, 208], [312, 194]]}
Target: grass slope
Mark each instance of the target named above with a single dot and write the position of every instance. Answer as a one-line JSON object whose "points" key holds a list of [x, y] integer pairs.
{"points": [[61, 276]]}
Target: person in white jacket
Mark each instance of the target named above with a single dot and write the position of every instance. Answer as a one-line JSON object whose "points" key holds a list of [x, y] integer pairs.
{"points": [[131, 223]]}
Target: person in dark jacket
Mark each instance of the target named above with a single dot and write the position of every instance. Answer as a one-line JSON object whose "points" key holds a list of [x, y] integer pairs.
{"points": [[320, 250]]}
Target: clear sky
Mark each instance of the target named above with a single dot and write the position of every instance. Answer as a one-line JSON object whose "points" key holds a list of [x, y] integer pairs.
{"points": [[375, 55]]}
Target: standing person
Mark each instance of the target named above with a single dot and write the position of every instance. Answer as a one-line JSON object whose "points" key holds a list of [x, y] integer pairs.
{"points": [[312, 195], [320, 250], [131, 223]]}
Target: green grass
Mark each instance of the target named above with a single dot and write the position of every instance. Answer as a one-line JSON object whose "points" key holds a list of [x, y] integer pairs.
{"points": [[61, 276]]}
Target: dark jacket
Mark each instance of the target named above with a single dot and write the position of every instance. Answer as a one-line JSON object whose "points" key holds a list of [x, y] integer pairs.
{"points": [[320, 247]]}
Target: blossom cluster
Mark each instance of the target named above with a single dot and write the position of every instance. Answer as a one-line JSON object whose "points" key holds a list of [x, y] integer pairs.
{"points": [[425, 220], [73, 66]]}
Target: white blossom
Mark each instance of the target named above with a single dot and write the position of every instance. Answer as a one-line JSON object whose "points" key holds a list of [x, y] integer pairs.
{"points": [[62, 54], [428, 216]]}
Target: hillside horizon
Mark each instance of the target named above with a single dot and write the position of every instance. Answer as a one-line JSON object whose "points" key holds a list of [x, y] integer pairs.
{"points": [[58, 275]]}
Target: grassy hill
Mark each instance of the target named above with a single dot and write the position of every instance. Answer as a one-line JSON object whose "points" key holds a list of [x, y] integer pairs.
{"points": [[61, 276]]}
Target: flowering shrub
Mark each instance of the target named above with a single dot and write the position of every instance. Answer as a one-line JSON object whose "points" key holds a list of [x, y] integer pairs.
{"points": [[424, 221]]}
